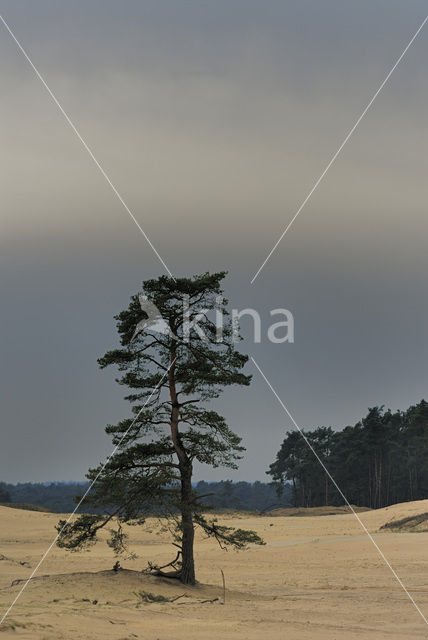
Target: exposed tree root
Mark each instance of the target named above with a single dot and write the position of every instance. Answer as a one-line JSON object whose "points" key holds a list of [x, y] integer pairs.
{"points": [[155, 570]]}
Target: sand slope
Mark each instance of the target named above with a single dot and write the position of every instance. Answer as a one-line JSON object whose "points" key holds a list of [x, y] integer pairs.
{"points": [[316, 578]]}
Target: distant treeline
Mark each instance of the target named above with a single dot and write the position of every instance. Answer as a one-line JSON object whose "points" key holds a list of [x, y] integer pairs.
{"points": [[55, 496], [381, 460], [59, 496], [256, 496]]}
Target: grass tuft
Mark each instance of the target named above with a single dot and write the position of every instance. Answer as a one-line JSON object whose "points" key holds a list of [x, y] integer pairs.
{"points": [[147, 597]]}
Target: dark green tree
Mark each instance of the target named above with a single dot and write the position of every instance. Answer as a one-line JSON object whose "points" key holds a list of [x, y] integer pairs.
{"points": [[174, 361], [414, 450], [296, 462], [381, 460], [4, 493]]}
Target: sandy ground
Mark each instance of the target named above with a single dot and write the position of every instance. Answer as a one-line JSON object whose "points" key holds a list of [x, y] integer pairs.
{"points": [[317, 578]]}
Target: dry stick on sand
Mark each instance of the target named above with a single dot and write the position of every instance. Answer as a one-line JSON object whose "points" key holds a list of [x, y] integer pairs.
{"points": [[224, 587], [183, 595], [212, 600]]}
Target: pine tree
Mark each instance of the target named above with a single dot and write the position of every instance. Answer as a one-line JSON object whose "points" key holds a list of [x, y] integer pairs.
{"points": [[4, 493], [173, 370]]}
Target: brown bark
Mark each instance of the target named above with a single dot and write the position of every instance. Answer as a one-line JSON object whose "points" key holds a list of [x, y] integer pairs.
{"points": [[188, 531], [187, 572]]}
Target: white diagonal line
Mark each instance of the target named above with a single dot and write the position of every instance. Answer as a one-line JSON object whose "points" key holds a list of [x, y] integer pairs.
{"points": [[115, 191], [42, 559], [85, 145], [360, 522], [339, 149]]}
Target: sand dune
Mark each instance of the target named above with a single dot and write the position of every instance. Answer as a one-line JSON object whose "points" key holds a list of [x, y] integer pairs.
{"points": [[316, 578]]}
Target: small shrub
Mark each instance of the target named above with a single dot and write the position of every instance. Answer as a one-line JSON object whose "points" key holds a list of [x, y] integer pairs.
{"points": [[146, 596]]}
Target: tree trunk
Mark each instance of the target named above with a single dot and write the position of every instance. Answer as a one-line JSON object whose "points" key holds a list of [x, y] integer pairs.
{"points": [[187, 574]]}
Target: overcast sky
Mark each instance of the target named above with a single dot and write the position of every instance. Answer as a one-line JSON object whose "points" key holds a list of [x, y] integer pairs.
{"points": [[213, 120]]}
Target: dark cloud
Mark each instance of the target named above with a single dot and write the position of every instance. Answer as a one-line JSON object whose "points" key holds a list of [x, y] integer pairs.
{"points": [[214, 120]]}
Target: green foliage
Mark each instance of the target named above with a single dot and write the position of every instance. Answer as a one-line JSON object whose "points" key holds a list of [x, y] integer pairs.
{"points": [[171, 377], [147, 597], [118, 539], [4, 493], [381, 460], [59, 497], [55, 496], [225, 536], [80, 533], [245, 496]]}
